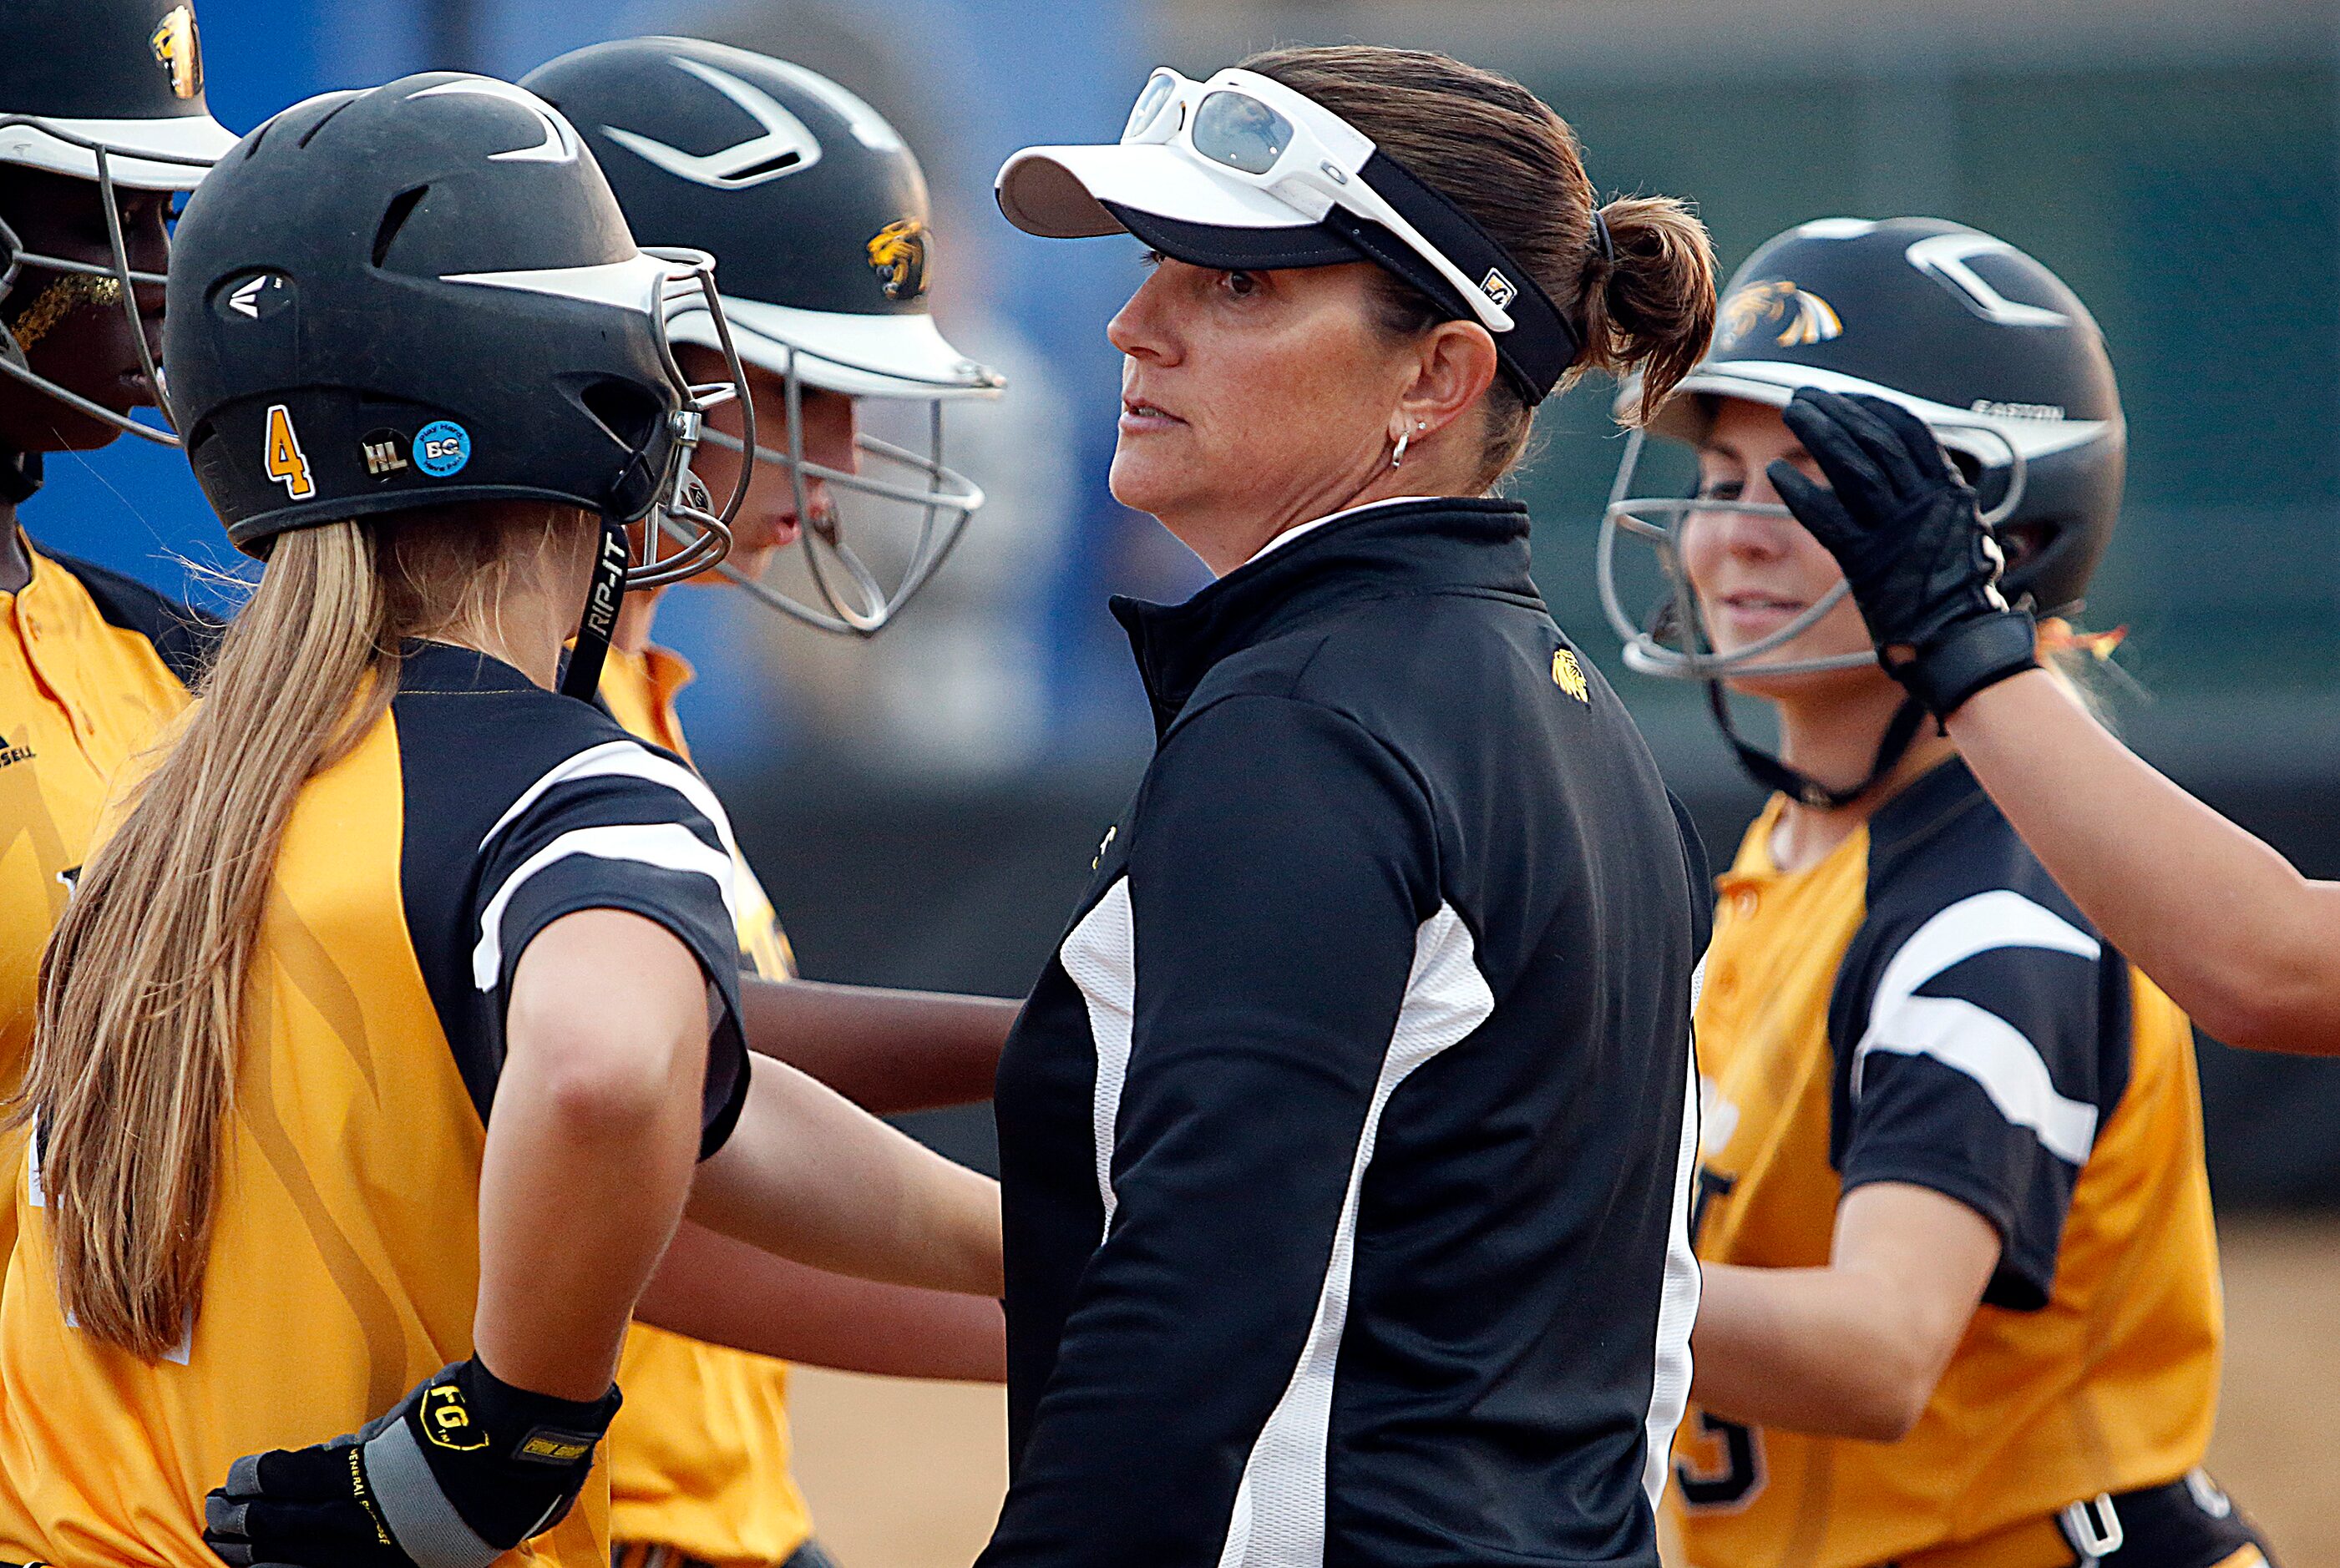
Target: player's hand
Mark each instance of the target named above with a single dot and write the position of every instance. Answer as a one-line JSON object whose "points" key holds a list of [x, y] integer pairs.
{"points": [[458, 1473], [1904, 527]]}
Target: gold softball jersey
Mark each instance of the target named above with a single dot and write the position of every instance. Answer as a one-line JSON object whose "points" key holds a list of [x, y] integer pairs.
{"points": [[1925, 1006], [92, 665], [699, 1456], [344, 1264]]}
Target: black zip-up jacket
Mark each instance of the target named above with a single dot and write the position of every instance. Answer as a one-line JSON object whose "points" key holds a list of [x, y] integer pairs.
{"points": [[1346, 1139]]}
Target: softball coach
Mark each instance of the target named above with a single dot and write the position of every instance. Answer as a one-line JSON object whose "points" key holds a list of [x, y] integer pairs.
{"points": [[1346, 1137]]}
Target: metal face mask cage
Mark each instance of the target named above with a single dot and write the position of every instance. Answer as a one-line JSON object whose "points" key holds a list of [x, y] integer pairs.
{"points": [[683, 510], [125, 279], [857, 604], [1657, 520]]}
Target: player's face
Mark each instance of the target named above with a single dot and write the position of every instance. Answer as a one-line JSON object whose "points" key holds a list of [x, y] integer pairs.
{"points": [[1754, 573], [767, 521], [80, 335], [1247, 395]]}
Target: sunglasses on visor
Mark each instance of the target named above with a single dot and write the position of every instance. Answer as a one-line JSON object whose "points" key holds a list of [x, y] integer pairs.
{"points": [[1299, 151]]}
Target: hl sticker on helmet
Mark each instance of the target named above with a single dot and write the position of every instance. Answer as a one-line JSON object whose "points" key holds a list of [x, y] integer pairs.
{"points": [[285, 461], [178, 49], [385, 452], [897, 255]]}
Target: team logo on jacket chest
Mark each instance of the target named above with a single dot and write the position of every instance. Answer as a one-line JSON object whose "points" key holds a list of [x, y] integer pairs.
{"points": [[1568, 675]]}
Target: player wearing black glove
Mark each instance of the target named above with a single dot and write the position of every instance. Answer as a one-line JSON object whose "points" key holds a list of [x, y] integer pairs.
{"points": [[458, 1473], [1907, 529], [2234, 933]]}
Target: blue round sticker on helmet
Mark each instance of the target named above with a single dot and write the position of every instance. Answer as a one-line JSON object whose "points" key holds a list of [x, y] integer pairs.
{"points": [[441, 447]]}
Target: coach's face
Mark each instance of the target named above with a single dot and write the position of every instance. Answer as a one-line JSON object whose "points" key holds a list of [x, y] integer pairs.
{"points": [[1753, 574], [1253, 401]]}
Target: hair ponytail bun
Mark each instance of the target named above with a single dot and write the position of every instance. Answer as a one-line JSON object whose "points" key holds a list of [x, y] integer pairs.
{"points": [[1649, 305]]}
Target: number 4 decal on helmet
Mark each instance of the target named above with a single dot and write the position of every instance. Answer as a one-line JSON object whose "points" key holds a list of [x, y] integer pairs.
{"points": [[287, 464]]}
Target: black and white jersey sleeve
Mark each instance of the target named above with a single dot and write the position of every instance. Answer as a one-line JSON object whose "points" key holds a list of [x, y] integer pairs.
{"points": [[619, 825], [1980, 1027], [1269, 965]]}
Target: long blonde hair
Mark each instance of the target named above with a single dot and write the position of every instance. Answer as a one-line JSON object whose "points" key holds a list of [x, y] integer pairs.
{"points": [[145, 981]]}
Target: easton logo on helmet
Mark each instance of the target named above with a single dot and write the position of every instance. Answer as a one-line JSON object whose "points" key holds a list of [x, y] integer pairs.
{"points": [[1802, 317], [178, 50], [897, 255]]}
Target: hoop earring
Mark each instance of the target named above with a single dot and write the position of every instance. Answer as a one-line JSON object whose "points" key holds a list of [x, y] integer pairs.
{"points": [[1397, 459]]}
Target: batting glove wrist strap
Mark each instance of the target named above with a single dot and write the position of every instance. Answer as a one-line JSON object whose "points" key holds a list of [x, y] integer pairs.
{"points": [[460, 1471], [1973, 654]]}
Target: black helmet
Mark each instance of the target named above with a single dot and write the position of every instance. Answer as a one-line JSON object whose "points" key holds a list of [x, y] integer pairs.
{"points": [[111, 92], [1989, 348], [2002, 362], [421, 294], [817, 212]]}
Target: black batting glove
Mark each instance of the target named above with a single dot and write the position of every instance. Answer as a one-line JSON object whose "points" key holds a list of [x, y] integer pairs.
{"points": [[1905, 527], [458, 1473]]}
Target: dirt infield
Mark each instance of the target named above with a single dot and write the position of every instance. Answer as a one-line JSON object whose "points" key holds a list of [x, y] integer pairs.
{"points": [[908, 1476]]}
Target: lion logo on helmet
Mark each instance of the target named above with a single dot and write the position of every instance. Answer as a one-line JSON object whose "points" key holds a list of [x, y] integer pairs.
{"points": [[1800, 317], [178, 48], [897, 255]]}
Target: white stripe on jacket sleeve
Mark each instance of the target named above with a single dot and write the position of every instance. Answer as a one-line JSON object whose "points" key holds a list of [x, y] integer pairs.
{"points": [[1279, 1512], [1100, 958]]}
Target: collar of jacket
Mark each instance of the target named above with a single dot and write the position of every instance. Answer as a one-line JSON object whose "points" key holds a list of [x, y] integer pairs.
{"points": [[1448, 543]]}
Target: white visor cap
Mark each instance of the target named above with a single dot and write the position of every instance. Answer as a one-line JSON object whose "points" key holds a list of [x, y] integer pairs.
{"points": [[1059, 192]]}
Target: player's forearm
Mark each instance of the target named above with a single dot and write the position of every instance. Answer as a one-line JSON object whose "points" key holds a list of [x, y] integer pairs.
{"points": [[2219, 920], [578, 1195], [1810, 1349], [726, 1292], [810, 1177], [888, 1052], [589, 1146]]}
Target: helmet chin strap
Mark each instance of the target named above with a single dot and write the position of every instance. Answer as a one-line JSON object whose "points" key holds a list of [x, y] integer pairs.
{"points": [[1773, 773], [582, 678], [20, 476]]}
